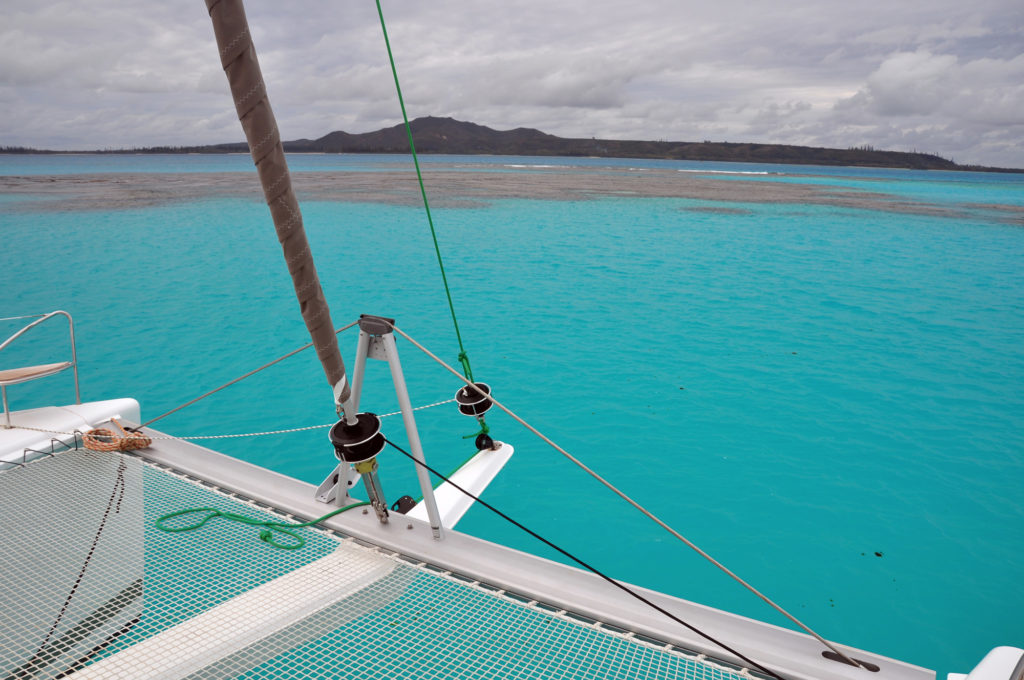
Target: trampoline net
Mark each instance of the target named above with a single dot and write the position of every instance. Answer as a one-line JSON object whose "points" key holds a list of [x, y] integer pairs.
{"points": [[93, 590]]}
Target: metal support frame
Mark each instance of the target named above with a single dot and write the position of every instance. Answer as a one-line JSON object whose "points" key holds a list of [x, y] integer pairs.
{"points": [[335, 488], [377, 341]]}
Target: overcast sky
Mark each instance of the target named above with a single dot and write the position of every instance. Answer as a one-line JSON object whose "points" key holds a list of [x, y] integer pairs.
{"points": [[939, 76]]}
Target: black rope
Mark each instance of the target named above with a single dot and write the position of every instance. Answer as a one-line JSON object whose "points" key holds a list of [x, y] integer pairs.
{"points": [[586, 566]]}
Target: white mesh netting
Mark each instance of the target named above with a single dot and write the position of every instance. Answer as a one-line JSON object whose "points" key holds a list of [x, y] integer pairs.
{"points": [[90, 587]]}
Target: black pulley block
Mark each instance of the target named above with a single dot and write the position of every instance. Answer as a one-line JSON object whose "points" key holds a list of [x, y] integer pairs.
{"points": [[358, 442], [471, 402], [404, 504]]}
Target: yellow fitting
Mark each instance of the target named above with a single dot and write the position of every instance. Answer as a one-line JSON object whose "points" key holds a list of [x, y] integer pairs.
{"points": [[366, 466]]}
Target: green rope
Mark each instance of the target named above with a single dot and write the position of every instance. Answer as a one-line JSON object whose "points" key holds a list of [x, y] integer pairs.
{"points": [[463, 358], [483, 430], [266, 534]]}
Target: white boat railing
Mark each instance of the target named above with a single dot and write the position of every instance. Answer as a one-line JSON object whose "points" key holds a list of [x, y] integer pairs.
{"points": [[14, 376]]}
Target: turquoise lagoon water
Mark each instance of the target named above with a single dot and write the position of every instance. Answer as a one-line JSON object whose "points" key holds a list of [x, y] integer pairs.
{"points": [[827, 399]]}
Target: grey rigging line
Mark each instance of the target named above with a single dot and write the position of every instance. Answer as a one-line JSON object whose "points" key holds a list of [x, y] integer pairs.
{"points": [[621, 586], [623, 496], [239, 378]]}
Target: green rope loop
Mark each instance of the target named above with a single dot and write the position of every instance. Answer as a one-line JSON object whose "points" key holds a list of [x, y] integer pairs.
{"points": [[466, 370], [266, 533], [423, 192]]}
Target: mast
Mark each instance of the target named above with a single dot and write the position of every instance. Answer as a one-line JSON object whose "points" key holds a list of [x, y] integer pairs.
{"points": [[238, 57]]}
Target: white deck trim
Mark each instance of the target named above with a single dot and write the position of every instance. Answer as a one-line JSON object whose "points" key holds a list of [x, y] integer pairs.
{"points": [[794, 655]]}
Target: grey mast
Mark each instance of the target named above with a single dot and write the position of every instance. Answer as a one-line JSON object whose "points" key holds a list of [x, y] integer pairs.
{"points": [[238, 57]]}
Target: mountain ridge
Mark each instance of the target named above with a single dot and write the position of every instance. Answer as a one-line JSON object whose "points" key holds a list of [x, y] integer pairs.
{"points": [[435, 135]]}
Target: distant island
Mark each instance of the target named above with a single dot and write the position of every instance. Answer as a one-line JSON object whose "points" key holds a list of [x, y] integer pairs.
{"points": [[449, 136]]}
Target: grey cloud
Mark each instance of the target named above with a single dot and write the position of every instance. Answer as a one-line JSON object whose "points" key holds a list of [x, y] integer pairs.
{"points": [[911, 83], [938, 75], [979, 92]]}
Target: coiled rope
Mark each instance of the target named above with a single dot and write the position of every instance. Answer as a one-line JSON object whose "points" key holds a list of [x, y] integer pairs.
{"points": [[102, 439], [267, 531]]}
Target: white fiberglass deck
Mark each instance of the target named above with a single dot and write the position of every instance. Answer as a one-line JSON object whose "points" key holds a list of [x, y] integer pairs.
{"points": [[91, 585]]}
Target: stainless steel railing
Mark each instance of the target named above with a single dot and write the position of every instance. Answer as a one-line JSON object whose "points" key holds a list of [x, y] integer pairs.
{"points": [[51, 369]]}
